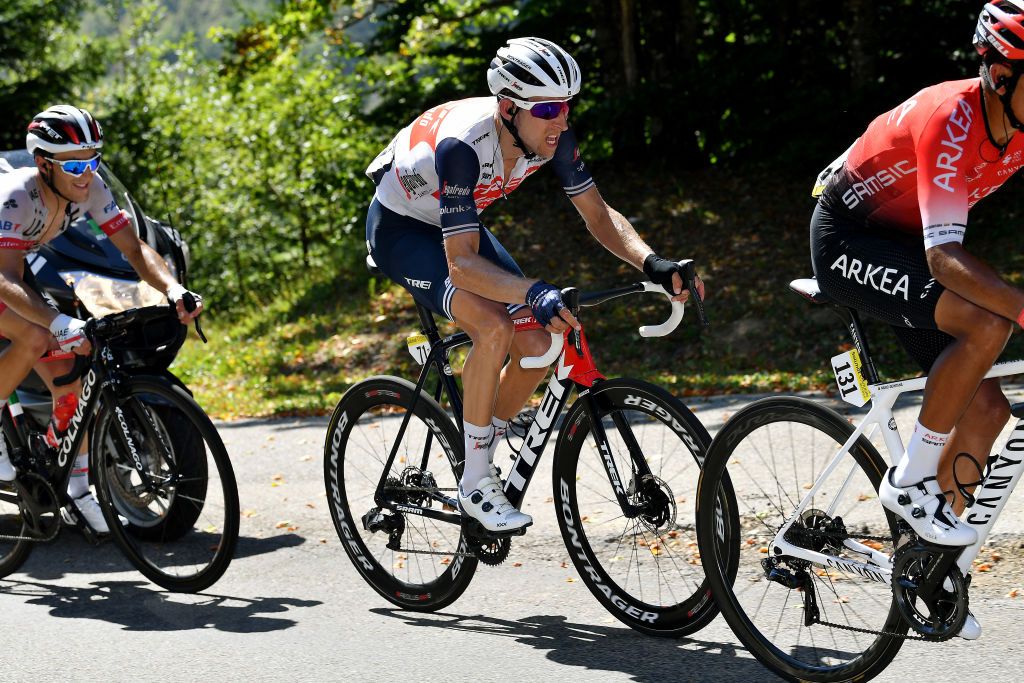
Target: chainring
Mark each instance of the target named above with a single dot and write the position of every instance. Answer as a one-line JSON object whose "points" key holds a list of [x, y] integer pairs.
{"points": [[39, 506], [490, 552], [941, 617]]}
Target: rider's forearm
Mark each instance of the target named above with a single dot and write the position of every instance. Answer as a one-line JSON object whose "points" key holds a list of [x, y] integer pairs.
{"points": [[617, 235], [473, 273], [25, 302], [151, 268], [973, 279]]}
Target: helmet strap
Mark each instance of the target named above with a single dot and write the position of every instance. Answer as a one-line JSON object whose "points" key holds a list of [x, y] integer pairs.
{"points": [[48, 180], [516, 139], [1007, 97]]}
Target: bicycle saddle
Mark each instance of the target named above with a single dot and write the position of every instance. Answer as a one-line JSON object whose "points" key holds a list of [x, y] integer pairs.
{"points": [[807, 287]]}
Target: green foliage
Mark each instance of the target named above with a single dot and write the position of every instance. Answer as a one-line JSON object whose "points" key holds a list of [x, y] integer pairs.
{"points": [[258, 159], [43, 61]]}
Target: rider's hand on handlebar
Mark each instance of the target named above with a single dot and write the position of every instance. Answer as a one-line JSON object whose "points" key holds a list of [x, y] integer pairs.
{"points": [[70, 334], [177, 296], [548, 308], [667, 273]]}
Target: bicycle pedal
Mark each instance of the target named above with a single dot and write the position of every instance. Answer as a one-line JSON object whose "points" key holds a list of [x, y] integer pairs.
{"points": [[476, 530]]}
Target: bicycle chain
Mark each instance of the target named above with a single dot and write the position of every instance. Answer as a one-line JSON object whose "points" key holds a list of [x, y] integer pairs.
{"points": [[857, 629]]}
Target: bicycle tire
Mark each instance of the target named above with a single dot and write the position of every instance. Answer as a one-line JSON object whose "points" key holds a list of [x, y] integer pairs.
{"points": [[751, 445], [357, 428], [187, 485], [673, 442], [13, 553]]}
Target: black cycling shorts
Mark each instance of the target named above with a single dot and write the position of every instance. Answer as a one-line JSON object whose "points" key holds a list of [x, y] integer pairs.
{"points": [[883, 274], [411, 253]]}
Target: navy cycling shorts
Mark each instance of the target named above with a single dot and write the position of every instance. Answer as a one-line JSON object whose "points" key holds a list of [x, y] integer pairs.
{"points": [[411, 253], [883, 274]]}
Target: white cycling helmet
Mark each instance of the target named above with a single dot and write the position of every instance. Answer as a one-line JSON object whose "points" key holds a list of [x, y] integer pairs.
{"points": [[63, 128], [533, 67]]}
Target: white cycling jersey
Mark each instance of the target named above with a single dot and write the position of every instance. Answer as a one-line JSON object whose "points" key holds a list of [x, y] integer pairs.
{"points": [[446, 166], [23, 216]]}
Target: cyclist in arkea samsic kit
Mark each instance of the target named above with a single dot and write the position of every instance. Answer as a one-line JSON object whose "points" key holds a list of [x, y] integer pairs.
{"points": [[423, 230], [887, 239], [36, 205]]}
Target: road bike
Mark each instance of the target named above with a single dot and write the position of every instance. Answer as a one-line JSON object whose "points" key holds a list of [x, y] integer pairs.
{"points": [[624, 473], [819, 581], [162, 475]]}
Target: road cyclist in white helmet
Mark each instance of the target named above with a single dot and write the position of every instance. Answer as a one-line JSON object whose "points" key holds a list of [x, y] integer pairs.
{"points": [[424, 231], [37, 204]]}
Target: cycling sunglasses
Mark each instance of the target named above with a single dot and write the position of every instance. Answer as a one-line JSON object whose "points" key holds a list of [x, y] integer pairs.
{"points": [[76, 167], [544, 110]]}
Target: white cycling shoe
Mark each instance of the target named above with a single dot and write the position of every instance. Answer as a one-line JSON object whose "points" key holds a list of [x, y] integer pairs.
{"points": [[89, 509], [923, 506], [7, 471], [971, 629], [489, 506]]}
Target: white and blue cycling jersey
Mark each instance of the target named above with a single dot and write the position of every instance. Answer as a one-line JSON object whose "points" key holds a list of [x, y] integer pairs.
{"points": [[446, 166]]}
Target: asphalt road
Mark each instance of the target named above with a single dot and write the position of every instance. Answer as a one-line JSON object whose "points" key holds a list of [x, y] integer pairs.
{"points": [[292, 607]]}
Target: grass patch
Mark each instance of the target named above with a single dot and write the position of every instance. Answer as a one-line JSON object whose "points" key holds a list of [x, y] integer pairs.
{"points": [[747, 232]]}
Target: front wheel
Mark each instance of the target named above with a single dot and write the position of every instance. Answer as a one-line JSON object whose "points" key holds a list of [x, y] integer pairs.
{"points": [[804, 621], [644, 568], [162, 467]]}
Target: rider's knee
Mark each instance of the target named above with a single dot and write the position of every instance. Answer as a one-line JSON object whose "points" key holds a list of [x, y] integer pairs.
{"points": [[991, 407], [987, 331], [492, 331], [36, 340], [531, 343]]}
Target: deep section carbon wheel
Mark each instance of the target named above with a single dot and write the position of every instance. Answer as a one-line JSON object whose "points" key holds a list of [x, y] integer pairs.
{"points": [[414, 561], [162, 467], [642, 565], [804, 621]]}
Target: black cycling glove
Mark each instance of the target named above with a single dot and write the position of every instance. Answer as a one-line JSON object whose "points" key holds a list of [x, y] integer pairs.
{"points": [[659, 271], [545, 301]]}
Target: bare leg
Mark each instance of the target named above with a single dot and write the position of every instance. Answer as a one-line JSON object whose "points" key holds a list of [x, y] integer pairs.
{"points": [[516, 384], [974, 435]]}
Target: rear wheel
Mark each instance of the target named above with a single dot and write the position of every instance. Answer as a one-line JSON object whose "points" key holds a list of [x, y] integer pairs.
{"points": [[412, 560], [15, 547], [162, 466], [804, 621]]}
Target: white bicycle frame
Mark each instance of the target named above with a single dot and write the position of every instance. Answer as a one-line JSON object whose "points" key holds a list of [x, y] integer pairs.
{"points": [[982, 515]]}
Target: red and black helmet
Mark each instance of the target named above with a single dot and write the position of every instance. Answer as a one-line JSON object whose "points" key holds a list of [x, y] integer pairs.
{"points": [[63, 128], [1001, 28]]}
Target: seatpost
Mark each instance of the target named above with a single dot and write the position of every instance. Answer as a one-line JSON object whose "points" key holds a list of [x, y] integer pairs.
{"points": [[861, 342]]}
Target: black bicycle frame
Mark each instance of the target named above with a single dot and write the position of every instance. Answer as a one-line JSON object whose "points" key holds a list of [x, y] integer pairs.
{"points": [[554, 401]]}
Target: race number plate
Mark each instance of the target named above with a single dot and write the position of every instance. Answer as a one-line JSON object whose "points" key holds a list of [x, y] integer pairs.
{"points": [[419, 347], [853, 388]]}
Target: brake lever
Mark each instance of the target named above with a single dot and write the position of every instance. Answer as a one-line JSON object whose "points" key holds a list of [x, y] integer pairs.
{"points": [[690, 277], [189, 301]]}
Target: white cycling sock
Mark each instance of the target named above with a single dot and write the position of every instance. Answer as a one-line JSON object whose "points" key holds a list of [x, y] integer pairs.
{"points": [[922, 457], [6, 468], [78, 484], [497, 435], [477, 465]]}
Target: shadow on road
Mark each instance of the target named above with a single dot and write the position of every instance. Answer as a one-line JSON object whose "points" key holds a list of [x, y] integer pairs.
{"points": [[137, 606], [71, 554], [605, 648]]}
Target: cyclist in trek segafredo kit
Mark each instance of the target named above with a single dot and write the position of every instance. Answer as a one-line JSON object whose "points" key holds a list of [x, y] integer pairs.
{"points": [[423, 230], [36, 205], [887, 239]]}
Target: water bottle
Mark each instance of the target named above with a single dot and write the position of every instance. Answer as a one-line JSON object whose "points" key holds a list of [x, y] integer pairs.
{"points": [[61, 418]]}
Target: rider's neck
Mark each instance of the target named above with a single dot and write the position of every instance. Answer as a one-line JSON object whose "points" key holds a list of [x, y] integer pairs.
{"points": [[509, 151], [1000, 130], [51, 200]]}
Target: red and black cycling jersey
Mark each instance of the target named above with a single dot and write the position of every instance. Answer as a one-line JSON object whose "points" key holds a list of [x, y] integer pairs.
{"points": [[920, 167]]}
